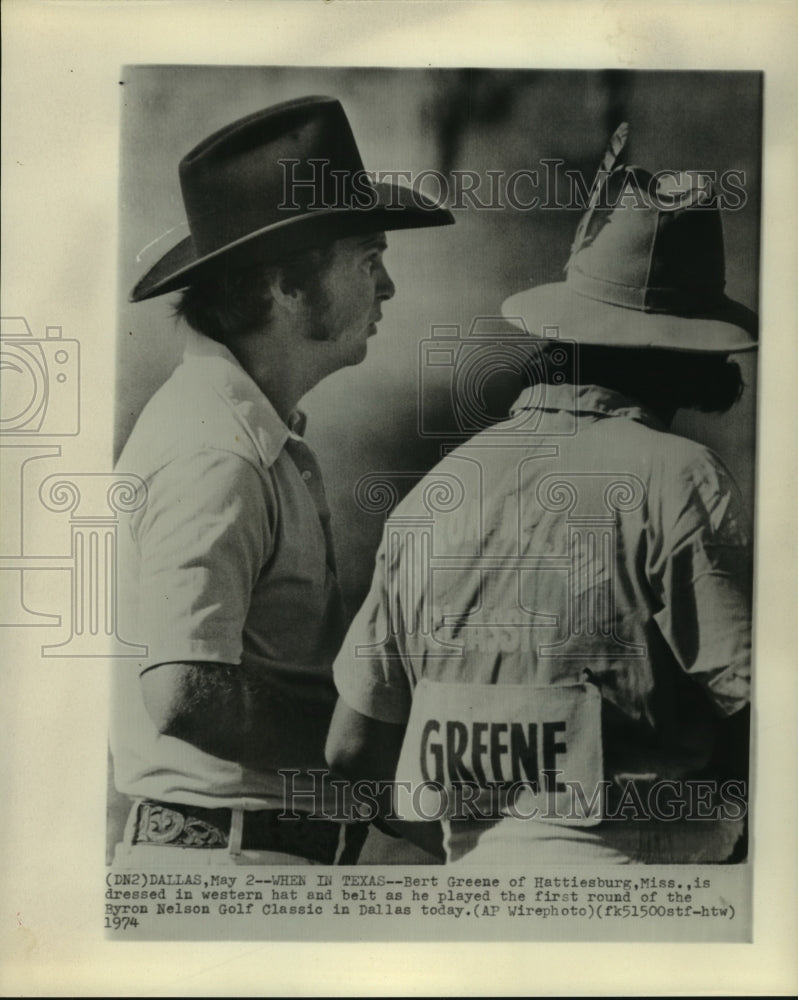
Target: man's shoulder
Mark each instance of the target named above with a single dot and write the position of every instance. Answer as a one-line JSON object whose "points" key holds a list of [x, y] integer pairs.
{"points": [[644, 447], [693, 491], [187, 415], [683, 458], [666, 463], [677, 472], [444, 488]]}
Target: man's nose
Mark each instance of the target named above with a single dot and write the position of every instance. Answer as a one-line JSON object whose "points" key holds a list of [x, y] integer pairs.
{"points": [[385, 287]]}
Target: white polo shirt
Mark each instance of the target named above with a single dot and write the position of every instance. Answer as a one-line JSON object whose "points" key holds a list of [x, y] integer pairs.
{"points": [[229, 560]]}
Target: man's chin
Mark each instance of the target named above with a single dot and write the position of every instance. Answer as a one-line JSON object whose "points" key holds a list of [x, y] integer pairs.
{"points": [[357, 356]]}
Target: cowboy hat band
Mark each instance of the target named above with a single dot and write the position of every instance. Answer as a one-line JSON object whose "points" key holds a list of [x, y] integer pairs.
{"points": [[643, 273], [274, 183]]}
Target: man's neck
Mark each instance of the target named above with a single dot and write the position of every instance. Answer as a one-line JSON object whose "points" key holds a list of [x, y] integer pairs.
{"points": [[284, 368]]}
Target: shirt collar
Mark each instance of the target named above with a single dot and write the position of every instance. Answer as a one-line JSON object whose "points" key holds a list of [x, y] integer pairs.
{"points": [[584, 400], [251, 407]]}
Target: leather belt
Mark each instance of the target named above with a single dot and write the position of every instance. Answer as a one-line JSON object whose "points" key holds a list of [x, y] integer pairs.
{"points": [[172, 824]]}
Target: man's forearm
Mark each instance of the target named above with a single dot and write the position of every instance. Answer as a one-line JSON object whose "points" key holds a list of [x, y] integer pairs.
{"points": [[224, 710], [361, 748], [201, 703]]}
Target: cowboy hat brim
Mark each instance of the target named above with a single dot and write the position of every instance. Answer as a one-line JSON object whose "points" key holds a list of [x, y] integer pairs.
{"points": [[729, 327], [397, 208]]}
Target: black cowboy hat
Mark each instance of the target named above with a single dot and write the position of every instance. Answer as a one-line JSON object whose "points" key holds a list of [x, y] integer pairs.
{"points": [[646, 270], [276, 182]]}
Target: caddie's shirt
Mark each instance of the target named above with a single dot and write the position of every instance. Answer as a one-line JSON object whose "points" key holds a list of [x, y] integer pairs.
{"points": [[577, 543], [229, 560]]}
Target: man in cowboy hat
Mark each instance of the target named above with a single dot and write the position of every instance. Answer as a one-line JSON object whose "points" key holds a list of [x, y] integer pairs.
{"points": [[228, 564], [570, 677]]}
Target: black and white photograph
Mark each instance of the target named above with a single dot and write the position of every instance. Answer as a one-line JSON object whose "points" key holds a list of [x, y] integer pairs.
{"points": [[547, 645], [407, 538]]}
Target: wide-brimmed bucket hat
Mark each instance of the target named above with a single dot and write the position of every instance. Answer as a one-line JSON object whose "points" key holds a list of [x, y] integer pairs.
{"points": [[274, 183], [646, 270]]}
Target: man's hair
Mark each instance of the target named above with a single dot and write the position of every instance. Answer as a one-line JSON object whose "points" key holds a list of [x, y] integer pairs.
{"points": [[232, 299], [659, 379]]}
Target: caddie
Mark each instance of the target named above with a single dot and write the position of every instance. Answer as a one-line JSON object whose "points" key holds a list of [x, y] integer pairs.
{"points": [[569, 679], [228, 567]]}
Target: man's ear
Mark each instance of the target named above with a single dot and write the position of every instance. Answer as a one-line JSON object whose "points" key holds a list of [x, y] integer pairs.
{"points": [[291, 300]]}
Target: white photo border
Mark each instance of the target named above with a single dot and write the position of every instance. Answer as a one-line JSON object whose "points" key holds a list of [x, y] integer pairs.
{"points": [[60, 169]]}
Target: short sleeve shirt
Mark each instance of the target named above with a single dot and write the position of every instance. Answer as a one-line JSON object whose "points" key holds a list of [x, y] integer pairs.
{"points": [[228, 560], [578, 538]]}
